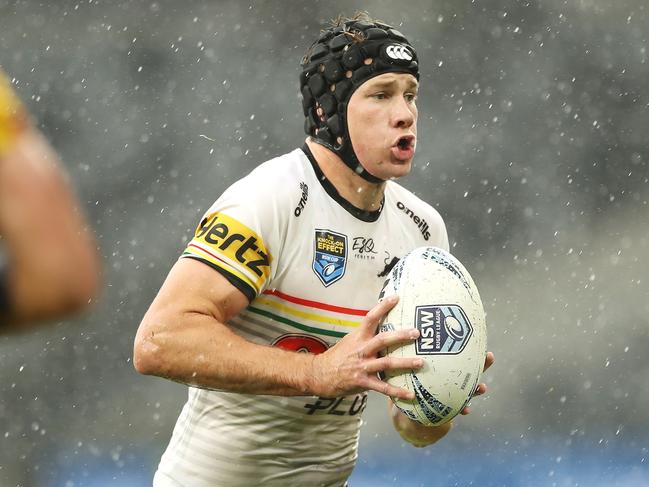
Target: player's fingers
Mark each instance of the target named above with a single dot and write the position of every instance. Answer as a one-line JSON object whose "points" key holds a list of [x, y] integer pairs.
{"points": [[393, 363], [489, 361], [374, 316], [480, 390], [375, 384], [381, 341]]}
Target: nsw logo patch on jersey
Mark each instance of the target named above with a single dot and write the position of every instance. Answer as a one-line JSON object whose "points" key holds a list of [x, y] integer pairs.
{"points": [[329, 256]]}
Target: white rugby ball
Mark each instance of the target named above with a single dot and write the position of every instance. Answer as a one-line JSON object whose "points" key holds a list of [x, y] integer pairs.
{"points": [[439, 298]]}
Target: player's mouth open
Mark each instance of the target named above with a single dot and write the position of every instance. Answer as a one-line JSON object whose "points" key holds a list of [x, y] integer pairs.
{"points": [[404, 147]]}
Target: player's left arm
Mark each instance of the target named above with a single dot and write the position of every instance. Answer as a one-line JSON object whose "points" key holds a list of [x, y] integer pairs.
{"points": [[420, 435]]}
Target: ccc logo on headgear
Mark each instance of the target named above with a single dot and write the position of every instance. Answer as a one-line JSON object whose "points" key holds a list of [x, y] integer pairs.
{"points": [[398, 52]]}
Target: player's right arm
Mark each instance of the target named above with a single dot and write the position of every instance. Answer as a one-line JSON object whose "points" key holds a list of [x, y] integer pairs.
{"points": [[184, 337], [51, 266]]}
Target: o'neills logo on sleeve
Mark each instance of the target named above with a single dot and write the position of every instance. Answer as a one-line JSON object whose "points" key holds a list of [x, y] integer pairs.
{"points": [[420, 222], [230, 245]]}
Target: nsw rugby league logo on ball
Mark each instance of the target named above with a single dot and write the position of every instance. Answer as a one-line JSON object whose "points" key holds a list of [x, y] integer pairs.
{"points": [[444, 329], [329, 256]]}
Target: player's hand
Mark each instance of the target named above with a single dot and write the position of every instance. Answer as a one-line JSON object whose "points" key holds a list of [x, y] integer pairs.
{"points": [[420, 435], [415, 433], [351, 365]]}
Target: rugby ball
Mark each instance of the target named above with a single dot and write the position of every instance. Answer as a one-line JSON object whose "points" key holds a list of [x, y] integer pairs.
{"points": [[439, 298]]}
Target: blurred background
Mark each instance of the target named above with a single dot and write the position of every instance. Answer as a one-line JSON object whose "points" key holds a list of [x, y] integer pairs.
{"points": [[533, 146]]}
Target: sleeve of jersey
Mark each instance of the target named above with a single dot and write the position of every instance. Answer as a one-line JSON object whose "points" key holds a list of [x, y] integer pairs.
{"points": [[236, 235], [438, 230], [13, 117]]}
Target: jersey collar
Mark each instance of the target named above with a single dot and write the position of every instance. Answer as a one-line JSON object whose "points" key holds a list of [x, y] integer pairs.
{"points": [[363, 215]]}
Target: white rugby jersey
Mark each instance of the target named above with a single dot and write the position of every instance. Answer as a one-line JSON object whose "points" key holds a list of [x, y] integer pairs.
{"points": [[312, 265]]}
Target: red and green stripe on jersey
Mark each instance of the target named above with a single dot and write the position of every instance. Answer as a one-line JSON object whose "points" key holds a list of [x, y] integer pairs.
{"points": [[304, 315]]}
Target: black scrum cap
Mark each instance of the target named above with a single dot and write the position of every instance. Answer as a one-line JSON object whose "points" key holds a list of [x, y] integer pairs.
{"points": [[336, 64]]}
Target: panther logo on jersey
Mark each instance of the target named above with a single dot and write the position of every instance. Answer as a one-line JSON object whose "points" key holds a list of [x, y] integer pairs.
{"points": [[295, 342], [329, 256]]}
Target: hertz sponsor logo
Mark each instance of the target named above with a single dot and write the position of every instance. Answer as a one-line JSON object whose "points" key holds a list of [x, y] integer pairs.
{"points": [[221, 239], [420, 222]]}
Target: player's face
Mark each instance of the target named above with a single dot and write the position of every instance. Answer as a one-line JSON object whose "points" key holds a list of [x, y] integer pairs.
{"points": [[382, 121]]}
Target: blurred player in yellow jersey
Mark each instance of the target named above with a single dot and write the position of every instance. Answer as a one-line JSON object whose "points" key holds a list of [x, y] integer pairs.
{"points": [[49, 265]]}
